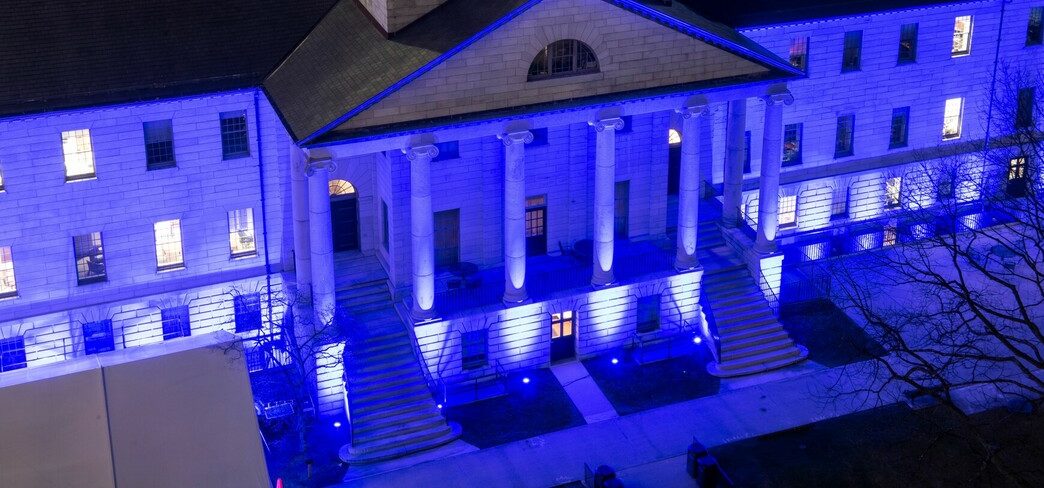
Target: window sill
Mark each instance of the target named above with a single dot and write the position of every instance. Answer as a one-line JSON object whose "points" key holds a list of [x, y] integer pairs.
{"points": [[227, 157], [963, 54], [897, 146], [839, 217], [951, 138], [843, 155], [158, 167], [91, 281], [168, 269], [243, 255], [9, 296], [71, 179], [789, 164]]}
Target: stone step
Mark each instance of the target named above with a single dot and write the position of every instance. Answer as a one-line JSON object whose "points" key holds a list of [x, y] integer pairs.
{"points": [[370, 444], [362, 287], [404, 425], [752, 297], [383, 356], [750, 329], [371, 425], [367, 413], [351, 456], [758, 364], [363, 367], [730, 289], [742, 316], [355, 302], [735, 306], [746, 342], [386, 381], [733, 355], [373, 395], [363, 409], [717, 274], [374, 348]]}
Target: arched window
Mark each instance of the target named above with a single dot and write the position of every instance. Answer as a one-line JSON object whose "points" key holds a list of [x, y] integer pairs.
{"points": [[673, 137], [567, 57], [341, 188]]}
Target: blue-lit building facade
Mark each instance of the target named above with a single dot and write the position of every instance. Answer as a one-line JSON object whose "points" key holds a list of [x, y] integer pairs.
{"points": [[492, 186]]}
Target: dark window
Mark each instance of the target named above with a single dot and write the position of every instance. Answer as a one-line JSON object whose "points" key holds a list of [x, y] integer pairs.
{"points": [[90, 259], [648, 313], [159, 144], [536, 225], [97, 337], [539, 137], [1035, 28], [945, 188], [622, 204], [12, 353], [673, 168], [844, 136], [567, 57], [628, 124], [447, 238], [474, 349], [447, 150], [900, 127], [248, 312], [792, 144], [799, 53], [839, 204], [851, 59], [746, 152], [908, 43], [1024, 110], [175, 322], [385, 226], [234, 140]]}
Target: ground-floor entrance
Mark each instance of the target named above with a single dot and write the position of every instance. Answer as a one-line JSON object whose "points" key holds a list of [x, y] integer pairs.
{"points": [[563, 336]]}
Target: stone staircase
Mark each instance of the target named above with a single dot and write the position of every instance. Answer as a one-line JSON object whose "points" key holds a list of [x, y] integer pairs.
{"points": [[751, 338], [392, 410]]}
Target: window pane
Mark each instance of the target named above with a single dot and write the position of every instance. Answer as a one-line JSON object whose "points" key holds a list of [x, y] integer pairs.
{"points": [[175, 322], [787, 211], [168, 244], [241, 232], [1017, 168], [159, 144], [79, 155], [12, 353], [900, 127], [962, 35], [97, 337], [893, 191], [952, 118], [839, 202], [1024, 110], [474, 349], [248, 312], [908, 43], [792, 144], [8, 287], [385, 225], [90, 259], [1, 180], [234, 140], [563, 58], [851, 59], [1035, 28], [799, 53], [843, 139], [746, 152]]}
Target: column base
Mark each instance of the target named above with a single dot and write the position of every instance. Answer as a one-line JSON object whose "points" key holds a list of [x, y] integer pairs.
{"points": [[418, 315], [764, 249], [603, 280], [686, 263], [515, 297]]}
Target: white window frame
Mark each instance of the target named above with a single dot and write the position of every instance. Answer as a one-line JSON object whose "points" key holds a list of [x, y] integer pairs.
{"points": [[241, 230], [8, 284], [893, 192], [169, 251], [961, 45], [78, 155], [787, 207], [953, 122]]}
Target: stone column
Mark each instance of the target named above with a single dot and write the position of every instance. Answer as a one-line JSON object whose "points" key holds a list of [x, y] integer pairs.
{"points": [[299, 209], [771, 158], [689, 187], [422, 231], [604, 199], [320, 238], [735, 155], [515, 215]]}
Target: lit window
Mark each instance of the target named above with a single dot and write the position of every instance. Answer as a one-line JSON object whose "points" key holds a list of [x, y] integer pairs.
{"points": [[962, 30], [175, 322], [447, 150], [8, 286], [792, 144], [844, 136], [168, 244], [159, 144], [1024, 108], [234, 140], [247, 310], [851, 58], [1, 179], [1017, 168], [12, 353], [241, 232], [952, 115], [907, 43], [799, 53], [1035, 28], [788, 211], [562, 324], [79, 156], [891, 235], [893, 191], [673, 137], [567, 57], [97, 337], [648, 313], [839, 203], [474, 346], [90, 258], [900, 128]]}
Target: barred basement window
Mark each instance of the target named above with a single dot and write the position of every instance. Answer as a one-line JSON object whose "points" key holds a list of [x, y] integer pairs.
{"points": [[952, 118], [168, 245], [447, 150], [12, 354], [890, 235], [962, 30], [792, 145], [90, 258], [851, 58], [159, 144], [839, 203], [234, 140], [474, 349], [241, 240], [8, 287], [944, 189], [907, 43], [787, 211], [247, 310], [175, 322], [649, 313], [844, 135], [1035, 27], [1024, 109], [568, 57], [97, 337], [900, 128], [893, 191], [799, 53], [79, 154]]}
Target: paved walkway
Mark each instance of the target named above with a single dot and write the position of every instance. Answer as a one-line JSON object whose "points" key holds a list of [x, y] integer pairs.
{"points": [[583, 391], [647, 449]]}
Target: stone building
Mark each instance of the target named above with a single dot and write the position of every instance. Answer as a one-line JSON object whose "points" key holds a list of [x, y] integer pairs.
{"points": [[482, 186]]}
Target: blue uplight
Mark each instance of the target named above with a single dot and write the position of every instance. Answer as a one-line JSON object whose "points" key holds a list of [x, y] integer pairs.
{"points": [[525, 380], [337, 425], [697, 340], [615, 361]]}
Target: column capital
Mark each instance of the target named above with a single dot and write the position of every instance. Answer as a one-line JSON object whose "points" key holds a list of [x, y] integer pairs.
{"points": [[520, 137], [313, 165], [692, 111], [429, 151], [614, 123], [781, 97]]}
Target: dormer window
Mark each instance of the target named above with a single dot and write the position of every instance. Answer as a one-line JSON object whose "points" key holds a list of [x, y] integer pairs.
{"points": [[568, 57]]}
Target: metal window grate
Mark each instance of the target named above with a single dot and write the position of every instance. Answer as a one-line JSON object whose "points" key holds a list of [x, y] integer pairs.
{"points": [[474, 347], [159, 144], [12, 354], [97, 337], [648, 313], [176, 322], [234, 140], [90, 258], [248, 312]]}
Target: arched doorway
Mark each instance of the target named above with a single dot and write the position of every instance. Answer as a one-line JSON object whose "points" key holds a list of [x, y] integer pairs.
{"points": [[344, 212]]}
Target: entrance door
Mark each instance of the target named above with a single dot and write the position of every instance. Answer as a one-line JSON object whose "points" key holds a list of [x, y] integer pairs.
{"points": [[621, 221], [536, 226], [447, 238], [563, 336], [344, 216]]}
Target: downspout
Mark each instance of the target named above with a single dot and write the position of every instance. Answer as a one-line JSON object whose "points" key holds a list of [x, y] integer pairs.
{"points": [[264, 208], [993, 79]]}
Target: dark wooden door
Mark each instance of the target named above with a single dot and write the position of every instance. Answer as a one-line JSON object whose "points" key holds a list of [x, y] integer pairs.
{"points": [[447, 238], [621, 217], [344, 214], [536, 231], [563, 336]]}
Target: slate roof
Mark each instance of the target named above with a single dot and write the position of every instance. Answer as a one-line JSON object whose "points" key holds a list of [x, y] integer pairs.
{"points": [[63, 54]]}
